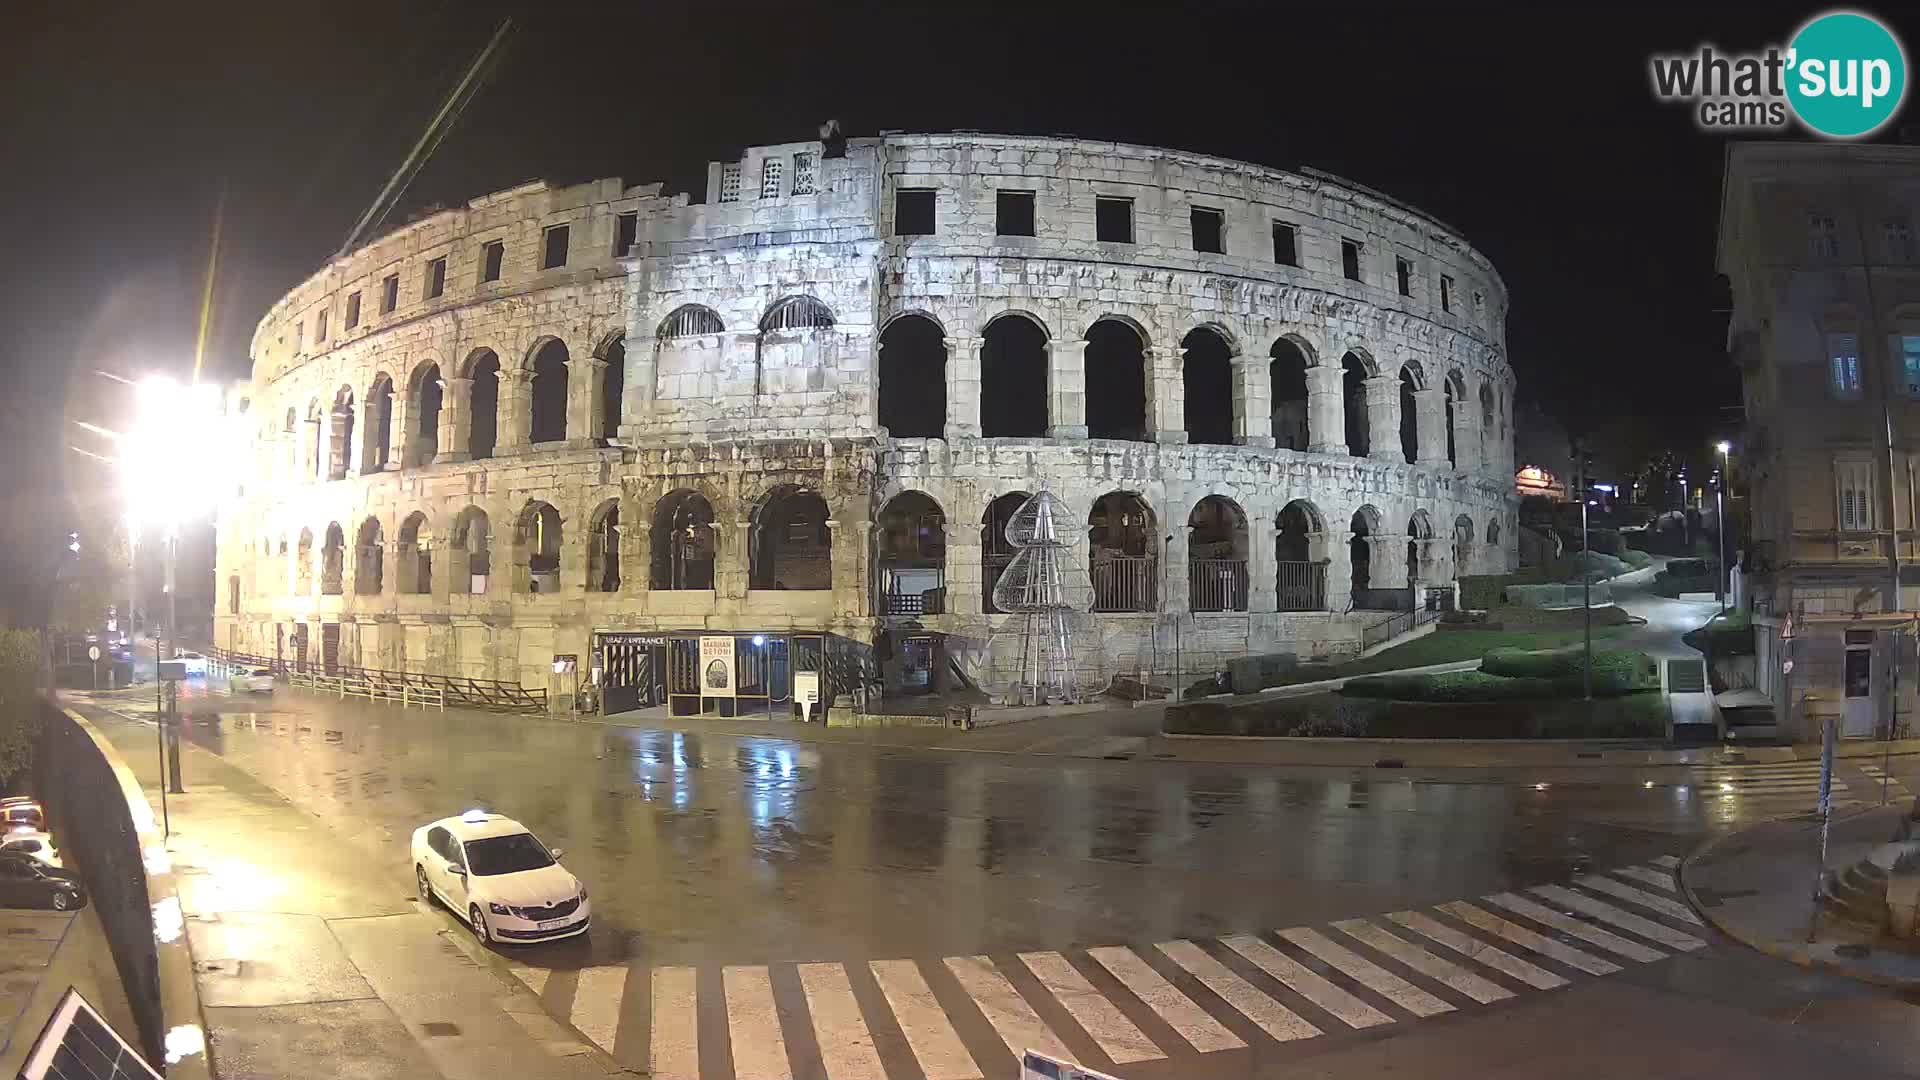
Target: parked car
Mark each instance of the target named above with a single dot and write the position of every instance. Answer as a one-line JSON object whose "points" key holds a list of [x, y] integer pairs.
{"points": [[21, 811], [495, 873], [26, 882], [34, 843], [251, 681], [195, 663]]}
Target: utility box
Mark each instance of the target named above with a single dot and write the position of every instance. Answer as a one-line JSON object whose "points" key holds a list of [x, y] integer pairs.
{"points": [[173, 670]]}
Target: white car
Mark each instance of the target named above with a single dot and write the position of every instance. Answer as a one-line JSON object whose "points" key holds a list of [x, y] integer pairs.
{"points": [[251, 681], [506, 884], [195, 663], [37, 844]]}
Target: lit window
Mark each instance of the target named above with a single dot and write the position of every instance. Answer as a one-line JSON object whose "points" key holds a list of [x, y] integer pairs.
{"points": [[770, 178], [803, 173], [1843, 365], [730, 182], [1823, 236], [1910, 362]]}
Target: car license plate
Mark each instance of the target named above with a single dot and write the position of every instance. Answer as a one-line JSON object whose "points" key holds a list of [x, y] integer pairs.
{"points": [[550, 924]]}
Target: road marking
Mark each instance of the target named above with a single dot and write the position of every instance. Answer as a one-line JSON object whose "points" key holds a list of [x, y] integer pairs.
{"points": [[1474, 949], [753, 1024], [1308, 984], [1645, 899], [1667, 861], [535, 978], [1646, 928], [596, 1003], [1652, 877], [676, 1027], [935, 1044], [1606, 939], [1273, 1018], [1527, 939], [1367, 973], [1019, 1026], [1117, 1036], [1446, 972], [846, 1046], [1190, 1021]]}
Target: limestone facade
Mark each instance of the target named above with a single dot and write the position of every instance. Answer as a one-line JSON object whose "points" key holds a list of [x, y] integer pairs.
{"points": [[469, 383]]}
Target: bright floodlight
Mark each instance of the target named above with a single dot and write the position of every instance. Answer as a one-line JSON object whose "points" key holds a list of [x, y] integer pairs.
{"points": [[174, 459], [1724, 446]]}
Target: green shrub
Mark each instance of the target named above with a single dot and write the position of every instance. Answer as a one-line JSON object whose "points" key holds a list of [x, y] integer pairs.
{"points": [[1604, 541], [1596, 565], [1450, 686], [1639, 560]]}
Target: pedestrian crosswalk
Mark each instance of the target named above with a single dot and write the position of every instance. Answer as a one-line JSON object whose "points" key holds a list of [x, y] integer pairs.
{"points": [[1776, 789], [1114, 1006], [1885, 783]]}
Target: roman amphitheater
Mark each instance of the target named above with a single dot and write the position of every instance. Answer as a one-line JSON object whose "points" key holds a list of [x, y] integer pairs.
{"points": [[607, 422]]}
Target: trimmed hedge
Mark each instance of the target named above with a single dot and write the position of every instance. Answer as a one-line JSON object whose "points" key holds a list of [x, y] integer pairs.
{"points": [[1450, 686], [1615, 671], [1639, 560]]}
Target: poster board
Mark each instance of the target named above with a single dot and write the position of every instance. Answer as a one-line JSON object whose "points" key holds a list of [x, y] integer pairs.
{"points": [[716, 666], [806, 693]]}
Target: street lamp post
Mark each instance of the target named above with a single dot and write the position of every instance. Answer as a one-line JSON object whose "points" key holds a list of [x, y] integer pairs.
{"points": [[1720, 523]]}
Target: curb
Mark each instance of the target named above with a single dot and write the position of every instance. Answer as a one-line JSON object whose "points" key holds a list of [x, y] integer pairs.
{"points": [[1798, 956]]}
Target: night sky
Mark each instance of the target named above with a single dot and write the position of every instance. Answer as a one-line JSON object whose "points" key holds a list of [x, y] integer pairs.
{"points": [[1533, 133]]}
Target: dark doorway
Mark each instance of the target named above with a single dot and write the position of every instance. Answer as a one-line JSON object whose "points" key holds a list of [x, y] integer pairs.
{"points": [[913, 378], [1013, 379], [1116, 382], [1207, 374]]}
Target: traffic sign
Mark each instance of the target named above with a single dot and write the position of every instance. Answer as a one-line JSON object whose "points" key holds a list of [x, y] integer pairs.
{"points": [[93, 652]]}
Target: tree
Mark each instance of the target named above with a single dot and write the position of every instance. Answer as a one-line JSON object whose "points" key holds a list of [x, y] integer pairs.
{"points": [[89, 582], [19, 699]]}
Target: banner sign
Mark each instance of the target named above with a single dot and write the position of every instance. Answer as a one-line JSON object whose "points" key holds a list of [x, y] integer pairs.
{"points": [[806, 693], [716, 666]]}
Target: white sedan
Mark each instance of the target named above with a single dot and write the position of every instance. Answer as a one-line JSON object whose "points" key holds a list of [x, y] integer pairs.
{"points": [[506, 884], [195, 663], [37, 844], [251, 681]]}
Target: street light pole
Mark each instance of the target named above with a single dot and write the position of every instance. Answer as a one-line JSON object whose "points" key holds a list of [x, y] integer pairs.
{"points": [[1720, 524]]}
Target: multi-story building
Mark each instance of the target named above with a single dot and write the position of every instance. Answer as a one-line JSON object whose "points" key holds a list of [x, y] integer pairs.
{"points": [[605, 421], [1817, 242]]}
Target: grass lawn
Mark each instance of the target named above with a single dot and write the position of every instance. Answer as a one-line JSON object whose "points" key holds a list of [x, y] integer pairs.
{"points": [[1444, 647]]}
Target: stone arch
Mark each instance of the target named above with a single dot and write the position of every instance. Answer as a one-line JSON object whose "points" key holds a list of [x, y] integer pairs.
{"points": [[1364, 526], [547, 408], [910, 555], [333, 559], [1289, 359], [1487, 415], [1116, 373], [912, 376], [369, 559], [690, 320], [470, 551], [1455, 385], [1411, 384], [797, 313], [682, 541], [303, 563], [1206, 375], [426, 393], [1217, 551], [1355, 369], [995, 550], [1493, 531], [1419, 531], [1123, 553], [1014, 370], [603, 548], [378, 447], [793, 344], [537, 539], [1463, 537], [790, 545], [483, 427], [613, 383], [413, 556], [340, 444], [1300, 549]]}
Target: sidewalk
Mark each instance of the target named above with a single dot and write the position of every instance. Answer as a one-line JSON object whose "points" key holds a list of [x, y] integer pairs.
{"points": [[313, 960], [1756, 886], [42, 953]]}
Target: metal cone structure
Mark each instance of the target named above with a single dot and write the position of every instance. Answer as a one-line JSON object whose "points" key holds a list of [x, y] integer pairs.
{"points": [[1047, 652]]}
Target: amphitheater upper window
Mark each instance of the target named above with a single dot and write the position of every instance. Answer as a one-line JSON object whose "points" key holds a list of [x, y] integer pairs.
{"points": [[913, 212], [492, 256], [730, 182], [770, 174], [553, 247], [353, 310], [798, 313], [1013, 213], [320, 327], [1113, 220], [389, 294], [1208, 231], [1286, 246], [1403, 275], [1350, 259], [436, 277], [1446, 293], [803, 173], [627, 232], [299, 336], [691, 320]]}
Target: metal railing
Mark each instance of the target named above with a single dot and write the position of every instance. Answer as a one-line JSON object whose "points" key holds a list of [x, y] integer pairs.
{"points": [[1124, 583], [1217, 584], [1393, 626], [1301, 586], [930, 602], [407, 687]]}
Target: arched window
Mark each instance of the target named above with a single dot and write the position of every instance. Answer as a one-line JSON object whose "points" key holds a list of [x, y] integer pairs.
{"points": [[1419, 531], [1300, 549], [1207, 376], [1124, 555], [1364, 526], [536, 543], [1409, 414], [690, 320], [1462, 545], [483, 431], [470, 552], [375, 454], [798, 313], [682, 542], [1013, 379], [1116, 381], [791, 546], [1217, 556], [1456, 393], [910, 553], [1487, 414], [1493, 532], [1353, 391], [414, 557], [547, 422], [996, 552], [340, 449], [368, 558], [303, 563], [426, 394], [333, 558], [603, 548], [913, 378], [613, 385], [1288, 374]]}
